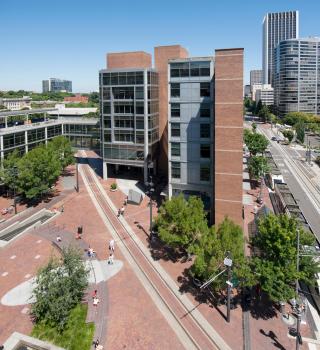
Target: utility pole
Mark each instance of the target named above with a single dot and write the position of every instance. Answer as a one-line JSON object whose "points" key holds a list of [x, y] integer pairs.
{"points": [[228, 262], [150, 191], [77, 174]]}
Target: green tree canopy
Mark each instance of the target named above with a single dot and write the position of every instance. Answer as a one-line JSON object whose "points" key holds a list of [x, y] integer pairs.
{"points": [[288, 134], [61, 147], [212, 250], [38, 170], [257, 166], [59, 287], [9, 172], [300, 130], [264, 114], [275, 266], [182, 223], [256, 143]]}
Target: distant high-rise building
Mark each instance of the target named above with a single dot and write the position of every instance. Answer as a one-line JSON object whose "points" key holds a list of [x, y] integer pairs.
{"points": [[265, 94], [56, 85], [276, 27], [247, 91], [297, 76], [255, 77]]}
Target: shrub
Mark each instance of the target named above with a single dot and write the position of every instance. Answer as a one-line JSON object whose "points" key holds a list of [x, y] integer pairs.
{"points": [[113, 186]]}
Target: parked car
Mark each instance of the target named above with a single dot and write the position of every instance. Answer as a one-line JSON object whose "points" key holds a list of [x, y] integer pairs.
{"points": [[273, 138]]}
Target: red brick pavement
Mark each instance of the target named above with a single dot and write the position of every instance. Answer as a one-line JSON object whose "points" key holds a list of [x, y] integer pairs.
{"points": [[21, 268]]}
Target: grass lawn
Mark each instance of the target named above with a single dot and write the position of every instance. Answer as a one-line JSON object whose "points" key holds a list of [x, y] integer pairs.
{"points": [[77, 335]]}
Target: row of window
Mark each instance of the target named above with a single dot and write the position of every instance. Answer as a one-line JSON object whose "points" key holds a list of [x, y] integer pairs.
{"points": [[203, 113], [204, 171], [205, 130], [205, 150], [131, 136], [204, 89], [190, 69], [128, 107], [129, 93]]}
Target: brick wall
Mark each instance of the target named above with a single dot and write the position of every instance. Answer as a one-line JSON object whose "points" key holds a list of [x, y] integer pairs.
{"points": [[136, 59], [228, 134]]}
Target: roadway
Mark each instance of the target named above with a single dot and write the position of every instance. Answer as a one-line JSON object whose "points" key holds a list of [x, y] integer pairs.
{"points": [[299, 177]]}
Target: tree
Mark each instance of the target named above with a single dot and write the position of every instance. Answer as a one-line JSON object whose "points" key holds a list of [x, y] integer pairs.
{"points": [[212, 249], [256, 143], [300, 130], [61, 147], [264, 114], [38, 170], [275, 266], [293, 118], [59, 287], [94, 97], [9, 172], [181, 223], [258, 107], [257, 166], [254, 127], [288, 134]]}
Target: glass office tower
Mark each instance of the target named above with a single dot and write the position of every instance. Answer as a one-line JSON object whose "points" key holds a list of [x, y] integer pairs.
{"points": [[297, 76], [276, 27], [129, 118]]}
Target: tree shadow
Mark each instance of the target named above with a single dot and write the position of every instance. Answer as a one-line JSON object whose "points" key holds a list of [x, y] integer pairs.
{"points": [[262, 308], [160, 251], [273, 337]]}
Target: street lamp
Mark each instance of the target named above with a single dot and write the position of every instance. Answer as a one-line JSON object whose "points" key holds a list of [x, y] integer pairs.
{"points": [[77, 174], [14, 175], [150, 191], [228, 263]]}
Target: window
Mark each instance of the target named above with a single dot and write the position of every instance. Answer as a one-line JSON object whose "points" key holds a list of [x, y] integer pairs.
{"points": [[123, 122], [139, 123], [139, 107], [205, 110], [205, 89], [139, 92], [140, 137], [179, 69], [139, 78], [175, 170], [121, 93], [175, 90], [106, 79], [204, 151], [107, 108], [175, 129], [114, 78], [123, 136], [204, 172], [106, 93], [107, 136], [123, 107], [205, 131], [175, 110], [175, 149], [107, 122]]}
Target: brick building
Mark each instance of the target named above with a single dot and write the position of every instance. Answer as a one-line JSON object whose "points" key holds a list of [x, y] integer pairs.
{"points": [[181, 119]]}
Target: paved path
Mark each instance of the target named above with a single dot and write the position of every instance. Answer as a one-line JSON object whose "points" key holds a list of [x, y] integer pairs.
{"points": [[190, 326]]}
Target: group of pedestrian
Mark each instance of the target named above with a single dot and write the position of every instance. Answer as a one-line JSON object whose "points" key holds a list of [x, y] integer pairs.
{"points": [[111, 252], [121, 211]]}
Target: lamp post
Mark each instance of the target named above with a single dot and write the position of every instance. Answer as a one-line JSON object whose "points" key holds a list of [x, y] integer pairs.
{"points": [[14, 174], [150, 191], [77, 174], [228, 263]]}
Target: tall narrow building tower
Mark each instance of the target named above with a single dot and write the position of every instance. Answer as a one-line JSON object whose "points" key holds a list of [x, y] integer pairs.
{"points": [[276, 27]]}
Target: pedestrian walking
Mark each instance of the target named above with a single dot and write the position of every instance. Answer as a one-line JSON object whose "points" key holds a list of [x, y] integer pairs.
{"points": [[110, 260], [111, 245], [125, 201], [122, 211], [119, 212], [59, 239]]}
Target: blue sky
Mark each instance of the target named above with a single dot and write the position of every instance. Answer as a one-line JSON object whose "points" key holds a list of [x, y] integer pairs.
{"points": [[69, 39]]}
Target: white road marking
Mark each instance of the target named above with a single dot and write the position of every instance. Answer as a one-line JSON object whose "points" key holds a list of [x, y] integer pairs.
{"points": [[37, 256], [13, 257], [5, 274]]}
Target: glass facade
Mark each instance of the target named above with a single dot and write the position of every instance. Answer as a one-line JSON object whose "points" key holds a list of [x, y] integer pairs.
{"points": [[297, 76], [130, 112]]}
